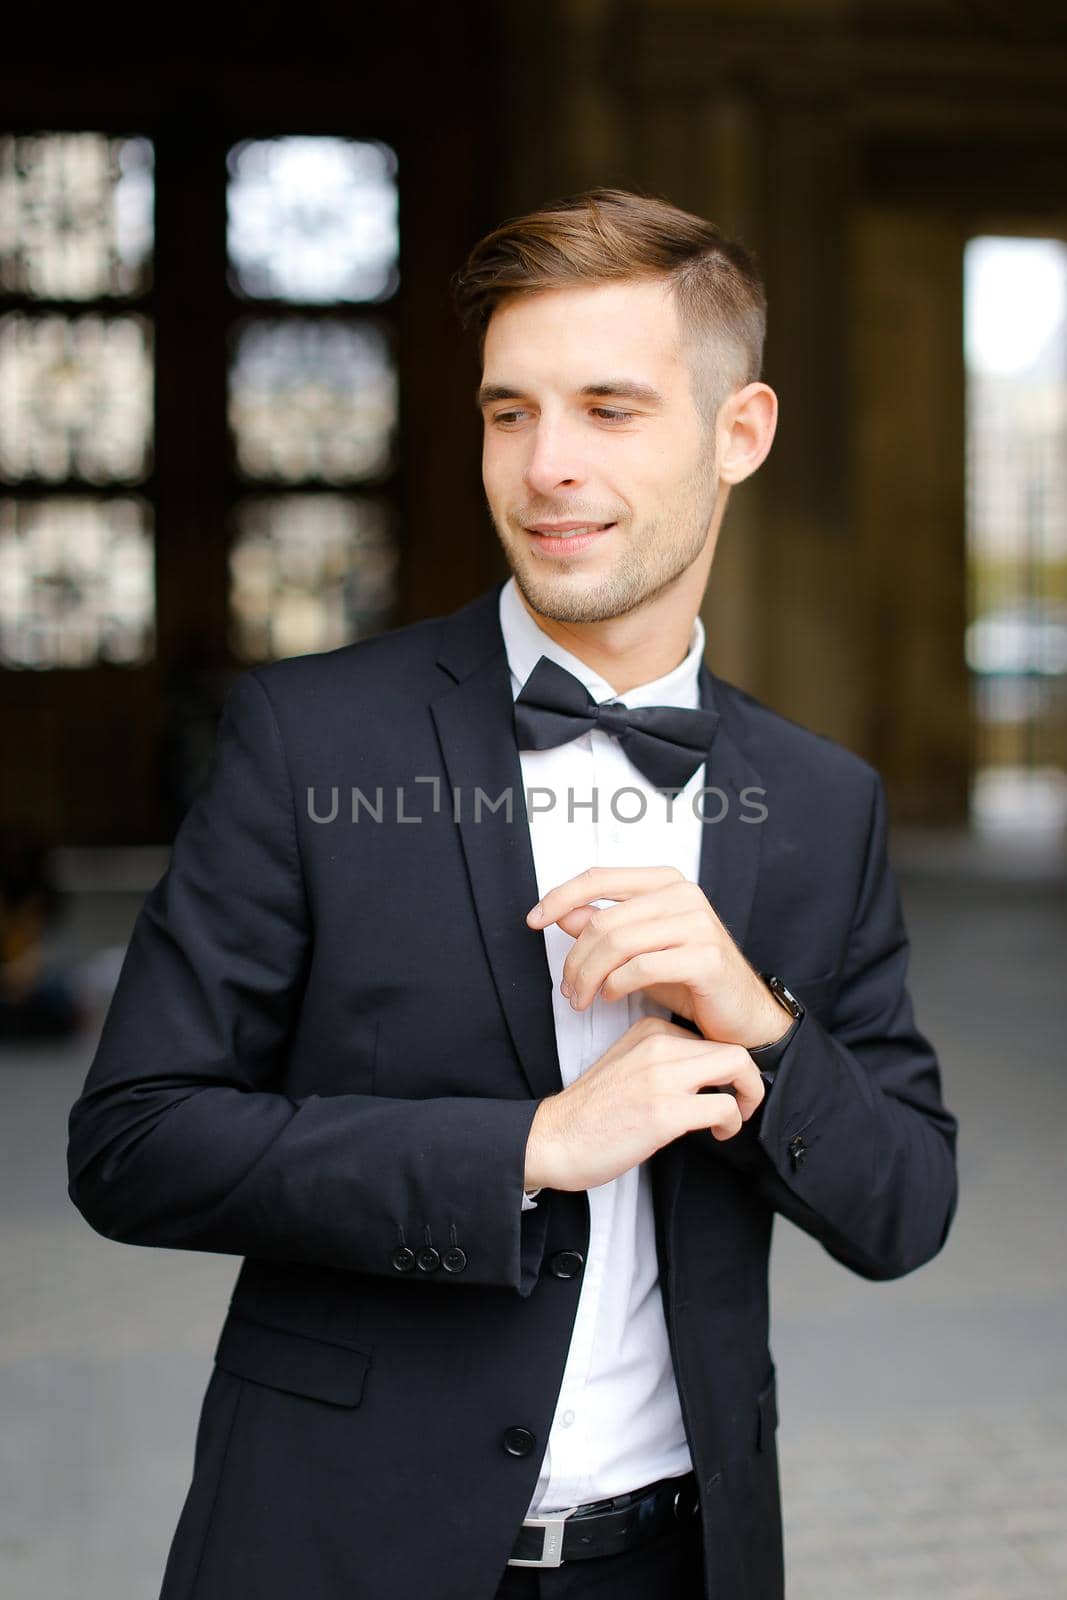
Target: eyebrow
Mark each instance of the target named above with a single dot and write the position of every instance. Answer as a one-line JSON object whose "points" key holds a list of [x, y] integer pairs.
{"points": [[613, 388]]}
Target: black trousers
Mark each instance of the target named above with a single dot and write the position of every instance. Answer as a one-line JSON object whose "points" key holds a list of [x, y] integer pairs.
{"points": [[670, 1565]]}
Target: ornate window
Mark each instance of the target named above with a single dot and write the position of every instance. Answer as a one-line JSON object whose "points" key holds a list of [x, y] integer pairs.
{"points": [[76, 400], [309, 572], [312, 401], [313, 221], [75, 216], [76, 581], [312, 235], [312, 252]]}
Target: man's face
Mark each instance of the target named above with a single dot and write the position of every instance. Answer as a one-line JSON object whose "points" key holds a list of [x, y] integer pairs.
{"points": [[598, 467]]}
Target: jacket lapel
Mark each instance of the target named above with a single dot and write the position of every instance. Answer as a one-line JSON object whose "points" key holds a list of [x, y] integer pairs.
{"points": [[729, 867], [730, 848], [475, 726]]}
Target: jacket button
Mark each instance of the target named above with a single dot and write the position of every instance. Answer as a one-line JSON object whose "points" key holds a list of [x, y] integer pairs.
{"points": [[403, 1258], [428, 1259], [454, 1259], [797, 1151], [566, 1263], [518, 1441]]}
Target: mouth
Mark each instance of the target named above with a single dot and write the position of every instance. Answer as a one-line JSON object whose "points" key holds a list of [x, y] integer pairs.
{"points": [[567, 538]]}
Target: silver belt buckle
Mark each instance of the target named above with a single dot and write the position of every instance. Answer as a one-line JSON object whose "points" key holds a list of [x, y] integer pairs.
{"points": [[552, 1552]]}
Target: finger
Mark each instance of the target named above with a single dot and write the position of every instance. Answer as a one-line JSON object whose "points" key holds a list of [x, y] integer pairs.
{"points": [[647, 1028], [649, 1025], [725, 1066], [746, 1093], [680, 1068], [599, 950], [573, 922], [680, 963], [719, 1113], [599, 883], [673, 900]]}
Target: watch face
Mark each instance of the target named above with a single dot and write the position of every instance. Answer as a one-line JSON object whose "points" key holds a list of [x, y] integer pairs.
{"points": [[790, 1001]]}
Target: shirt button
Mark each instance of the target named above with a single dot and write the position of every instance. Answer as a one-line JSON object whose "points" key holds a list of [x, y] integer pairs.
{"points": [[518, 1441], [567, 1418], [566, 1263]]}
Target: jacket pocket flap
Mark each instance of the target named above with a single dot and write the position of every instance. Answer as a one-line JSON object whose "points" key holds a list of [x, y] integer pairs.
{"points": [[292, 1361], [767, 1410]]}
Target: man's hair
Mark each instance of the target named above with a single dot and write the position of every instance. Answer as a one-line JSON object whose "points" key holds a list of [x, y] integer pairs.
{"points": [[610, 235]]}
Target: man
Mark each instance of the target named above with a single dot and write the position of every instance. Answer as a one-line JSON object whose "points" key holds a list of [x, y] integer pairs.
{"points": [[509, 974]]}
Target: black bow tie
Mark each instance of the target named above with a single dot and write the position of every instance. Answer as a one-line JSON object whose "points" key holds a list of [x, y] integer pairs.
{"points": [[666, 743]]}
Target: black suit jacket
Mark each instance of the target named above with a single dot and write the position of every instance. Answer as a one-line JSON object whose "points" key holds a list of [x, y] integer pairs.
{"points": [[327, 1045]]}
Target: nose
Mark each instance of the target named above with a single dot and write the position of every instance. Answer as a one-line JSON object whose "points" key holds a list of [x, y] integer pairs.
{"points": [[555, 459]]}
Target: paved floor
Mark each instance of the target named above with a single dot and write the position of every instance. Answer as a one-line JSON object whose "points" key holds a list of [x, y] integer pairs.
{"points": [[924, 1422]]}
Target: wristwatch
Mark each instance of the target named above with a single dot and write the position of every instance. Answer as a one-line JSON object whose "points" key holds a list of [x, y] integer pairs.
{"points": [[768, 1056]]}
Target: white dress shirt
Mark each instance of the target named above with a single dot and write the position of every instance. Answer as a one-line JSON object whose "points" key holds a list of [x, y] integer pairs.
{"points": [[618, 1422]]}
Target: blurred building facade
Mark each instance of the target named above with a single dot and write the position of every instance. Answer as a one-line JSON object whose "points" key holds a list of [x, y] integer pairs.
{"points": [[227, 450]]}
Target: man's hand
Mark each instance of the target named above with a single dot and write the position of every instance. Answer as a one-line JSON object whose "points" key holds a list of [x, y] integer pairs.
{"points": [[641, 1094], [664, 938]]}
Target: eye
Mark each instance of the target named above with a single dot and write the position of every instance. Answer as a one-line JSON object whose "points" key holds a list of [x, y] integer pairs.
{"points": [[610, 414], [507, 419]]}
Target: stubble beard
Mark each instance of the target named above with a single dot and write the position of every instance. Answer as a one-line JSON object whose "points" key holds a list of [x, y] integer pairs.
{"points": [[647, 565]]}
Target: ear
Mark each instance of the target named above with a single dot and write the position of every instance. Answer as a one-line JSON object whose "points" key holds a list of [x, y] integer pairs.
{"points": [[744, 431]]}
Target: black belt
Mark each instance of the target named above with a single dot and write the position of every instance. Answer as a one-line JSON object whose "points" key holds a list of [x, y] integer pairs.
{"points": [[606, 1527]]}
